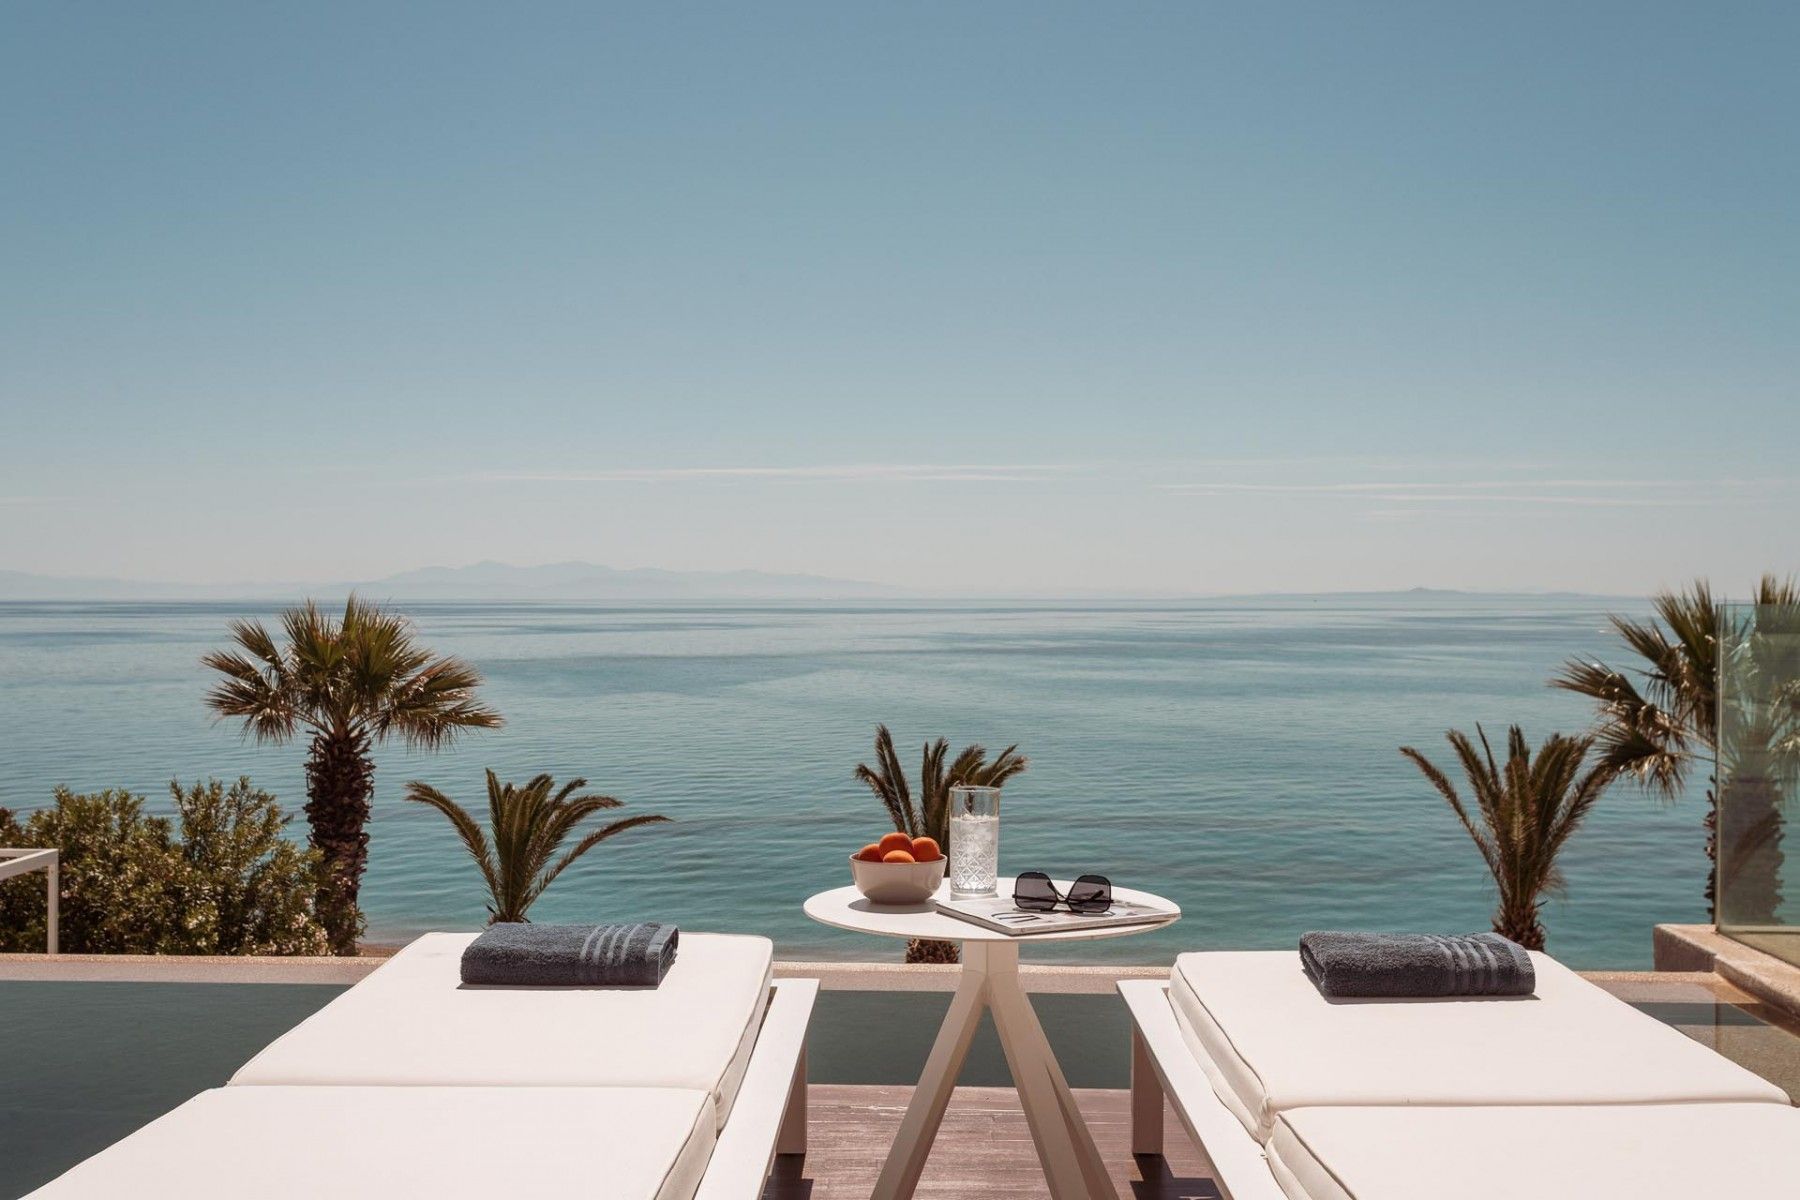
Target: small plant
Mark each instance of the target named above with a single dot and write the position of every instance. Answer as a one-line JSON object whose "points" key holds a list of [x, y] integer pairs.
{"points": [[1523, 814], [929, 815], [219, 879], [529, 826]]}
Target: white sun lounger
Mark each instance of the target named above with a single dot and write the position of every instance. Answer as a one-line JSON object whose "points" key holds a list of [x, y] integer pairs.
{"points": [[1241, 1042], [1561, 1152], [395, 1143], [682, 1092], [413, 1023]]}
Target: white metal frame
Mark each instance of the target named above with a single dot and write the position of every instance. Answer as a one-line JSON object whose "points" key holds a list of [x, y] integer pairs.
{"points": [[1163, 1064], [19, 862], [768, 1115], [990, 979]]}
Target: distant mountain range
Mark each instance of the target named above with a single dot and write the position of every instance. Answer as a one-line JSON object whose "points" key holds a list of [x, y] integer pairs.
{"points": [[482, 581], [573, 581]]}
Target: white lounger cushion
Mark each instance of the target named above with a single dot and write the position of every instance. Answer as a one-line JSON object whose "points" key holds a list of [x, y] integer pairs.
{"points": [[1619, 1152], [1270, 1043], [382, 1143], [413, 1023]]}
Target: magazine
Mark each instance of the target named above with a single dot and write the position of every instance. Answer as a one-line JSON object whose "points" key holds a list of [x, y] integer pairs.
{"points": [[1000, 914]]}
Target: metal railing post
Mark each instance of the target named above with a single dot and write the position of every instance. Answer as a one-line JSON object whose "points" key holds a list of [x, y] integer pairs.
{"points": [[23, 861], [52, 893]]}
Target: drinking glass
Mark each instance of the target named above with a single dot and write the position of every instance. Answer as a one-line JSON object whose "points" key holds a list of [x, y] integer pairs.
{"points": [[974, 839]]}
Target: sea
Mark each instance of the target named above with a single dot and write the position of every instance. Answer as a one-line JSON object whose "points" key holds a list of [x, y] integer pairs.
{"points": [[1239, 756]]}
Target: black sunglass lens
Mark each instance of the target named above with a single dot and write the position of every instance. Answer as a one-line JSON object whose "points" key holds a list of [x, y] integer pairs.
{"points": [[1091, 894], [1034, 892]]}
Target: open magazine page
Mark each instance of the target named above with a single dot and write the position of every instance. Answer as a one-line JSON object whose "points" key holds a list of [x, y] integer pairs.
{"points": [[1001, 914]]}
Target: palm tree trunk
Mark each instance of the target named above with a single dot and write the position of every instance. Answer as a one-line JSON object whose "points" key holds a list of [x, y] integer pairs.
{"points": [[925, 950], [1712, 853], [1751, 859], [340, 780], [1520, 925]]}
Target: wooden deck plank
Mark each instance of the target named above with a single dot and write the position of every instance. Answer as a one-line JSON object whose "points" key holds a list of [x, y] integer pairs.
{"points": [[983, 1151]]}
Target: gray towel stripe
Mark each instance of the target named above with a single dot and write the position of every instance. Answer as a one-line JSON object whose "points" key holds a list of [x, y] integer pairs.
{"points": [[588, 962], [618, 944]]}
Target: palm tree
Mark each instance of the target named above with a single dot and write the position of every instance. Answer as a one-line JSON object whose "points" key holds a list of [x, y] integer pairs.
{"points": [[1527, 811], [351, 684], [930, 816], [529, 826], [1654, 721]]}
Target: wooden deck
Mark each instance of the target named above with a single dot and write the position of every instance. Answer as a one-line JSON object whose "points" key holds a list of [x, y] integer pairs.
{"points": [[983, 1151]]}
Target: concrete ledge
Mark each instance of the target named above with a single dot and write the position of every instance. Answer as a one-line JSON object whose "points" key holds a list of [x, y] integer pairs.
{"points": [[179, 968], [1686, 947], [932, 977], [1042, 979], [833, 976], [1703, 948]]}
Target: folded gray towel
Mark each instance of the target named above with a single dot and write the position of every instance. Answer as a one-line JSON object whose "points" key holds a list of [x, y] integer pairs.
{"points": [[520, 955], [1400, 965]]}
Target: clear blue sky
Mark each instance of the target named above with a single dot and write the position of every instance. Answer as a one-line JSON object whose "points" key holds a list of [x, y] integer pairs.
{"points": [[1208, 297]]}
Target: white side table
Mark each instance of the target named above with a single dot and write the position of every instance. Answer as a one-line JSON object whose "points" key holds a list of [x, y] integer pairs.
{"points": [[990, 979]]}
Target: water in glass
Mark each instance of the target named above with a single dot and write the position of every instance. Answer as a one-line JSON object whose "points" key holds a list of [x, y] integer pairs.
{"points": [[974, 840]]}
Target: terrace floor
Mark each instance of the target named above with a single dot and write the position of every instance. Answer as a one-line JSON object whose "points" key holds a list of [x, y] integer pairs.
{"points": [[983, 1151]]}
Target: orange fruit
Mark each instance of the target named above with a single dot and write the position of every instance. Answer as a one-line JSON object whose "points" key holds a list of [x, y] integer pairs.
{"points": [[870, 853], [898, 856], [925, 849], [891, 842]]}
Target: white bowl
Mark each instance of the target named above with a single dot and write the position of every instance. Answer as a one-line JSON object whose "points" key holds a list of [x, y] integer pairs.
{"points": [[898, 883]]}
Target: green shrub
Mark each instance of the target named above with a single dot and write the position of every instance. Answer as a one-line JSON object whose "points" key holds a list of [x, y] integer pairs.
{"points": [[230, 883], [248, 889], [119, 878]]}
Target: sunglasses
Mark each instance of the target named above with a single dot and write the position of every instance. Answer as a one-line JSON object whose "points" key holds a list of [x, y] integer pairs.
{"points": [[1035, 892]]}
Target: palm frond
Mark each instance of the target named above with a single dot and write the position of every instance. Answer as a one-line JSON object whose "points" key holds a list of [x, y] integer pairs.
{"points": [[934, 791], [527, 825], [1653, 722], [1447, 790], [255, 691], [594, 839], [887, 779], [361, 674], [930, 816], [1526, 809], [466, 828], [1008, 763]]}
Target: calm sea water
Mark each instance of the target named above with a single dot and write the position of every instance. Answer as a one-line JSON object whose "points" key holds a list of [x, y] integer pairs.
{"points": [[1238, 756]]}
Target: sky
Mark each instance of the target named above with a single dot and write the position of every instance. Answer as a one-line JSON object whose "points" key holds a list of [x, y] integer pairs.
{"points": [[994, 297]]}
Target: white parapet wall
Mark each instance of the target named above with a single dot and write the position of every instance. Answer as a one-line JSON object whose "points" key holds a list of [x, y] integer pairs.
{"points": [[833, 976]]}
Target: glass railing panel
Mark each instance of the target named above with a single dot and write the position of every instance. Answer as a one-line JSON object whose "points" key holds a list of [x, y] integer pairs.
{"points": [[1758, 777]]}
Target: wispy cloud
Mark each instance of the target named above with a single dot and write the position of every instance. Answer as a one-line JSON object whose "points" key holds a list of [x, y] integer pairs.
{"points": [[907, 472], [1587, 493]]}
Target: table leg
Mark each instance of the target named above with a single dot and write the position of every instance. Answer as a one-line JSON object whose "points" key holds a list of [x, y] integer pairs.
{"points": [[925, 1112], [1072, 1164], [1146, 1098]]}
